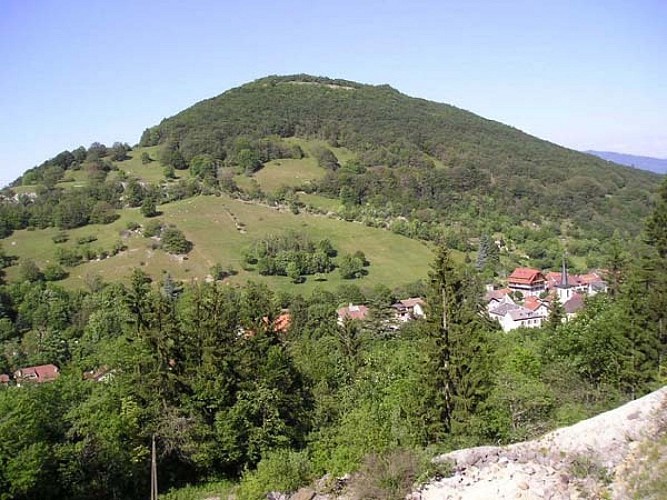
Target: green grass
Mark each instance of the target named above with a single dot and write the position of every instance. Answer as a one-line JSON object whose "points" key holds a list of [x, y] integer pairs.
{"points": [[152, 172], [215, 489], [207, 222], [343, 154], [321, 202], [288, 172]]}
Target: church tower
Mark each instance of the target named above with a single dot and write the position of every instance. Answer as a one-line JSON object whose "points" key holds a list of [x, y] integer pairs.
{"points": [[564, 289]]}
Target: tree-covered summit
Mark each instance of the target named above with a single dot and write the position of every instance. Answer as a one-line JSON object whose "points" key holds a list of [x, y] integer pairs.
{"points": [[412, 152]]}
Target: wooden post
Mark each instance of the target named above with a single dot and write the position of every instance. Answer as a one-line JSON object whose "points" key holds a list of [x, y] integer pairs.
{"points": [[153, 470]]}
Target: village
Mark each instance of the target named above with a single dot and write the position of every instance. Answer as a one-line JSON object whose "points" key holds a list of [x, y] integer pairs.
{"points": [[526, 302]]}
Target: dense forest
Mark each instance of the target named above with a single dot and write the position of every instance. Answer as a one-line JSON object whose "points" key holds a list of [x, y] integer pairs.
{"points": [[206, 370]]}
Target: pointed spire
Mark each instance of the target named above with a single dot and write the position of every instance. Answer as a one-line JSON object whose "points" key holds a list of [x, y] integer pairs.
{"points": [[563, 274]]}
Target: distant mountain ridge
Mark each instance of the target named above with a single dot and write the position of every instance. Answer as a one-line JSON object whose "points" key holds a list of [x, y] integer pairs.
{"points": [[657, 165]]}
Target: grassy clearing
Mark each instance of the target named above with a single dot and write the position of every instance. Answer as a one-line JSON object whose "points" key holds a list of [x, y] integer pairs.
{"points": [[288, 172], [152, 172], [321, 202], [210, 223], [307, 145], [216, 489]]}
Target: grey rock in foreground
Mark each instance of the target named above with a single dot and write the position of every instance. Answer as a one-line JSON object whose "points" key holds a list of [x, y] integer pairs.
{"points": [[586, 460]]}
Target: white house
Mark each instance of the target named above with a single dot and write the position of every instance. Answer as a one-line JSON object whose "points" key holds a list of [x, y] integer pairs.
{"points": [[407, 309], [519, 317]]}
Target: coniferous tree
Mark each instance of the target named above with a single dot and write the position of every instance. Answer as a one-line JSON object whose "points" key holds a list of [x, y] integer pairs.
{"points": [[556, 315], [456, 333]]}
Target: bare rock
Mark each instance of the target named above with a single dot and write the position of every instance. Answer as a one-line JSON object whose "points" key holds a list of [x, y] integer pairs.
{"points": [[303, 494]]}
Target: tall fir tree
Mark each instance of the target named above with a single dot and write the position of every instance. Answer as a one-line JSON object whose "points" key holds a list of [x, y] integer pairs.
{"points": [[459, 356]]}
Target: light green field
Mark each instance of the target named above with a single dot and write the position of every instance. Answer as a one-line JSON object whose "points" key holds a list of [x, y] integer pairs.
{"points": [[288, 172], [152, 172], [321, 202], [343, 154], [210, 223]]}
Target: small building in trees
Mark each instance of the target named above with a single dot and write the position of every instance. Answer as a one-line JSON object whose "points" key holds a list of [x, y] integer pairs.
{"points": [[537, 305], [36, 374], [352, 311], [408, 309]]}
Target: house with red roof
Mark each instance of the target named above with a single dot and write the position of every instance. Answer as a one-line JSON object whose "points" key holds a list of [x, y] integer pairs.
{"points": [[352, 312], [4, 379], [537, 305], [36, 374], [526, 280]]}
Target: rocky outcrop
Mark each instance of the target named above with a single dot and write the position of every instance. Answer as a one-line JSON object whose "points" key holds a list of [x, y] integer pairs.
{"points": [[587, 460]]}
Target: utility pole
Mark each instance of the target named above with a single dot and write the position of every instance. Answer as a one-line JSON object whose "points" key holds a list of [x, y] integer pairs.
{"points": [[447, 389], [153, 470]]}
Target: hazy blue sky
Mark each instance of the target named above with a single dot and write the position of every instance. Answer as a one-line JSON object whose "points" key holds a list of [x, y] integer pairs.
{"points": [[586, 74]]}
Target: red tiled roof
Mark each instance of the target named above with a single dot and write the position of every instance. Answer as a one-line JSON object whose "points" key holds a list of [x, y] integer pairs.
{"points": [[282, 323], [4, 378], [532, 303], [554, 279], [496, 294], [352, 312], [525, 275], [589, 278], [41, 373]]}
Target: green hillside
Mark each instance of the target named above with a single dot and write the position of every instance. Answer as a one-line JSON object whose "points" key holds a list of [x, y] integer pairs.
{"points": [[414, 153], [363, 153], [183, 295], [211, 224]]}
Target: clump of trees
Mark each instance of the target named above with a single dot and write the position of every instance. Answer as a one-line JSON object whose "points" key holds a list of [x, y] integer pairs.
{"points": [[171, 238], [291, 254]]}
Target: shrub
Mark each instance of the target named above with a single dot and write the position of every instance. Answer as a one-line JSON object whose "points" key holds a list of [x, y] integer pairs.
{"points": [[68, 257], [29, 271], [86, 239], [54, 272], [149, 207], [173, 241], [152, 228], [218, 272], [281, 470], [60, 237], [393, 474]]}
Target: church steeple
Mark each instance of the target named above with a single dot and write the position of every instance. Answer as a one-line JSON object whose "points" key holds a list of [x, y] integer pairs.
{"points": [[563, 275], [563, 288]]}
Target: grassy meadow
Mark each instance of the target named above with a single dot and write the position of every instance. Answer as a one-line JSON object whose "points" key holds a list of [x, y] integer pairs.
{"points": [[211, 224]]}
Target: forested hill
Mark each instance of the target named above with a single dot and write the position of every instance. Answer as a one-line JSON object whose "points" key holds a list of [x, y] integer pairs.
{"points": [[442, 158]]}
